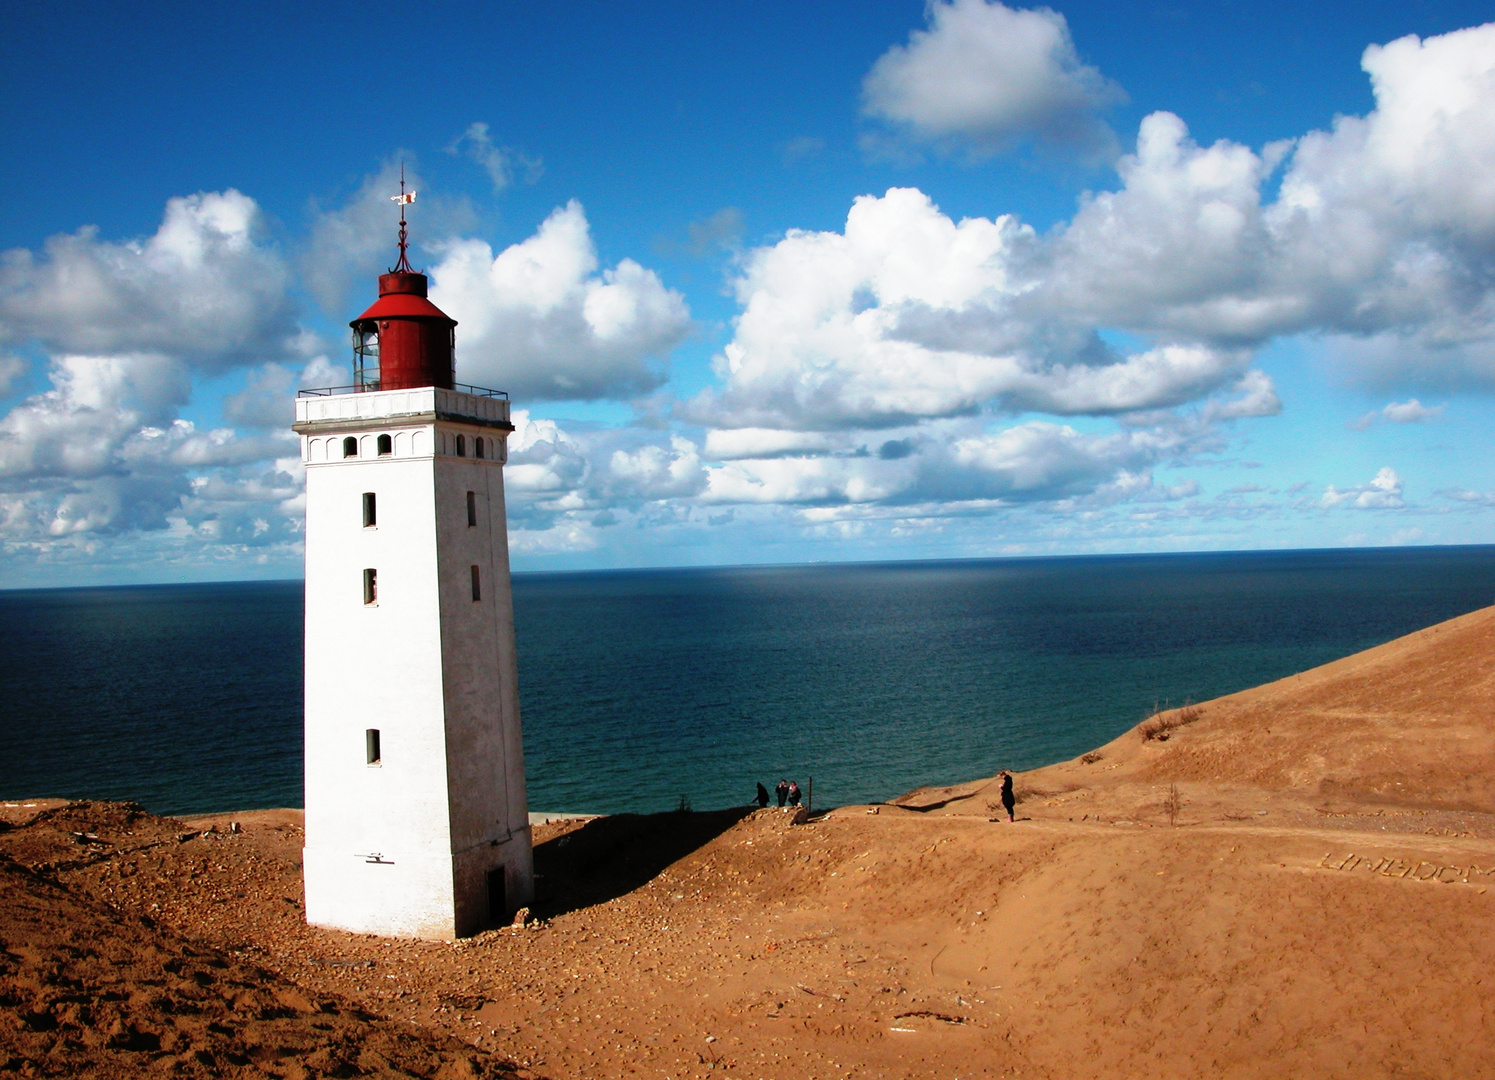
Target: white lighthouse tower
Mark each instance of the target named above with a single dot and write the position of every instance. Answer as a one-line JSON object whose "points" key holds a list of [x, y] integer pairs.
{"points": [[416, 817]]}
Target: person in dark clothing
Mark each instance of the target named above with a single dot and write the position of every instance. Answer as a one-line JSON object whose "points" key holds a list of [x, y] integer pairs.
{"points": [[793, 793], [1008, 800], [762, 799], [781, 789]]}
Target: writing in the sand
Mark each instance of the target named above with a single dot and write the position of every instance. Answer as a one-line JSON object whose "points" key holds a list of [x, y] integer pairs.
{"points": [[1409, 869]]}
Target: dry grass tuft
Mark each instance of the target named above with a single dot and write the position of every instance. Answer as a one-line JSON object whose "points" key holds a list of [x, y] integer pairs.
{"points": [[1163, 722], [1172, 804]]}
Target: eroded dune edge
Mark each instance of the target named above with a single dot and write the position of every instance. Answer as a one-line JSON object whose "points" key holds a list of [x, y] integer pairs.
{"points": [[1298, 879]]}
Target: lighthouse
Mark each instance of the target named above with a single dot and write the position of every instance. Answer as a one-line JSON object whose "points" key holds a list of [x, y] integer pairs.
{"points": [[417, 821]]}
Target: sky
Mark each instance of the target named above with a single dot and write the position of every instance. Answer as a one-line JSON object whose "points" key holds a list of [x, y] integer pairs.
{"points": [[766, 282]]}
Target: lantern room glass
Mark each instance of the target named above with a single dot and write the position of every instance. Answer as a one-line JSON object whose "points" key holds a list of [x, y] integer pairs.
{"points": [[365, 357]]}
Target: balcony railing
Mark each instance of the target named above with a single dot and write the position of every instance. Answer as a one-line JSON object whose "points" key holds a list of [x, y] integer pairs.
{"points": [[338, 404], [369, 388]]}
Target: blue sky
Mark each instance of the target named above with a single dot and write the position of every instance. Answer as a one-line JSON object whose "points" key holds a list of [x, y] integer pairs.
{"points": [[767, 282]]}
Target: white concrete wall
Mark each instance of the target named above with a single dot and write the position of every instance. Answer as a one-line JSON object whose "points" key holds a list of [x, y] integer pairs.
{"points": [[485, 755], [404, 847]]}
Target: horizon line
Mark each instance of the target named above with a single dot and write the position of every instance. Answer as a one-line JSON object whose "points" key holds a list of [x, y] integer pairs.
{"points": [[803, 564]]}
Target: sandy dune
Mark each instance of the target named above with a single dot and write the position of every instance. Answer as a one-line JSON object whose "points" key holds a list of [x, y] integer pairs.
{"points": [[1317, 901], [1410, 724]]}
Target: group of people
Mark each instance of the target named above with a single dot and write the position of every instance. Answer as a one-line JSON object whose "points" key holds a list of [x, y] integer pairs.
{"points": [[787, 791]]}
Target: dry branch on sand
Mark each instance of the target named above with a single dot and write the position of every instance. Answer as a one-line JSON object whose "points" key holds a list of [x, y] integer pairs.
{"points": [[1163, 722]]}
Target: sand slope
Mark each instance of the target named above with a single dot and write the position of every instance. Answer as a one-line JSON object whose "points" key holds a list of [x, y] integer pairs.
{"points": [[1407, 724], [1411, 723], [1319, 902]]}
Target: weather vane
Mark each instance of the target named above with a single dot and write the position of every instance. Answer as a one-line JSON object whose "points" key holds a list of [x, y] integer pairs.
{"points": [[404, 198]]}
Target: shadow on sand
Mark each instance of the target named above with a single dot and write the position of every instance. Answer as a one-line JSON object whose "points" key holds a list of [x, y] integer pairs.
{"points": [[610, 856], [924, 808]]}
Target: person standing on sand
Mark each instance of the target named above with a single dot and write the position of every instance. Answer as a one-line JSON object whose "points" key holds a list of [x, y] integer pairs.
{"points": [[794, 793], [781, 789], [1008, 801], [762, 799]]}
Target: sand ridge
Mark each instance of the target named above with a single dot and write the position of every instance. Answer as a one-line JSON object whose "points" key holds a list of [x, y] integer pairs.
{"points": [[1301, 881]]}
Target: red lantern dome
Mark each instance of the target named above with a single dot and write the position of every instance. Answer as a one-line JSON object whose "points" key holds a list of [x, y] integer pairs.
{"points": [[410, 339]]}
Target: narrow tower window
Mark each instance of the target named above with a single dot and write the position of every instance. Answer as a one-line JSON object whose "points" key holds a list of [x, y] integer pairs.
{"points": [[371, 586], [477, 587], [370, 511], [350, 447], [371, 745], [461, 445], [477, 446], [472, 509], [386, 445]]}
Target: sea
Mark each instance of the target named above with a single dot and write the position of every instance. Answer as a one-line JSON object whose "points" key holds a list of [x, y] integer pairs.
{"points": [[646, 690]]}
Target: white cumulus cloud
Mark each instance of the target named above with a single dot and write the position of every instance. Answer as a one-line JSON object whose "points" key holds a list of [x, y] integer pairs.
{"points": [[1411, 412], [727, 444], [908, 315], [1384, 492], [102, 453], [989, 76], [543, 321], [202, 289], [559, 476], [656, 471], [96, 404], [1380, 239], [1399, 412]]}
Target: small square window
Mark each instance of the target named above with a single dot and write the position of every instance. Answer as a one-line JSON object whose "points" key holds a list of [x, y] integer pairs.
{"points": [[371, 746], [477, 587], [371, 586], [370, 510]]}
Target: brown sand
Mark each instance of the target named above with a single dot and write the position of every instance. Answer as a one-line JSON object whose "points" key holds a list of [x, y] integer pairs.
{"points": [[1317, 901]]}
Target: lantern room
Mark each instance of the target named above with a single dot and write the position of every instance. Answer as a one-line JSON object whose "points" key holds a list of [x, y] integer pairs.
{"points": [[404, 341]]}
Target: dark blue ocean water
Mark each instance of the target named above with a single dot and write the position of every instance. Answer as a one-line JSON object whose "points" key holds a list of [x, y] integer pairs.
{"points": [[639, 687]]}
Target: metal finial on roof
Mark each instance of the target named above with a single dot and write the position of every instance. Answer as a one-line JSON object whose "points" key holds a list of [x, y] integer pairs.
{"points": [[404, 199]]}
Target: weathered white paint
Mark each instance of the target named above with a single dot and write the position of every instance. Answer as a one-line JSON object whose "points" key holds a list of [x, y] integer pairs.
{"points": [[404, 847]]}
